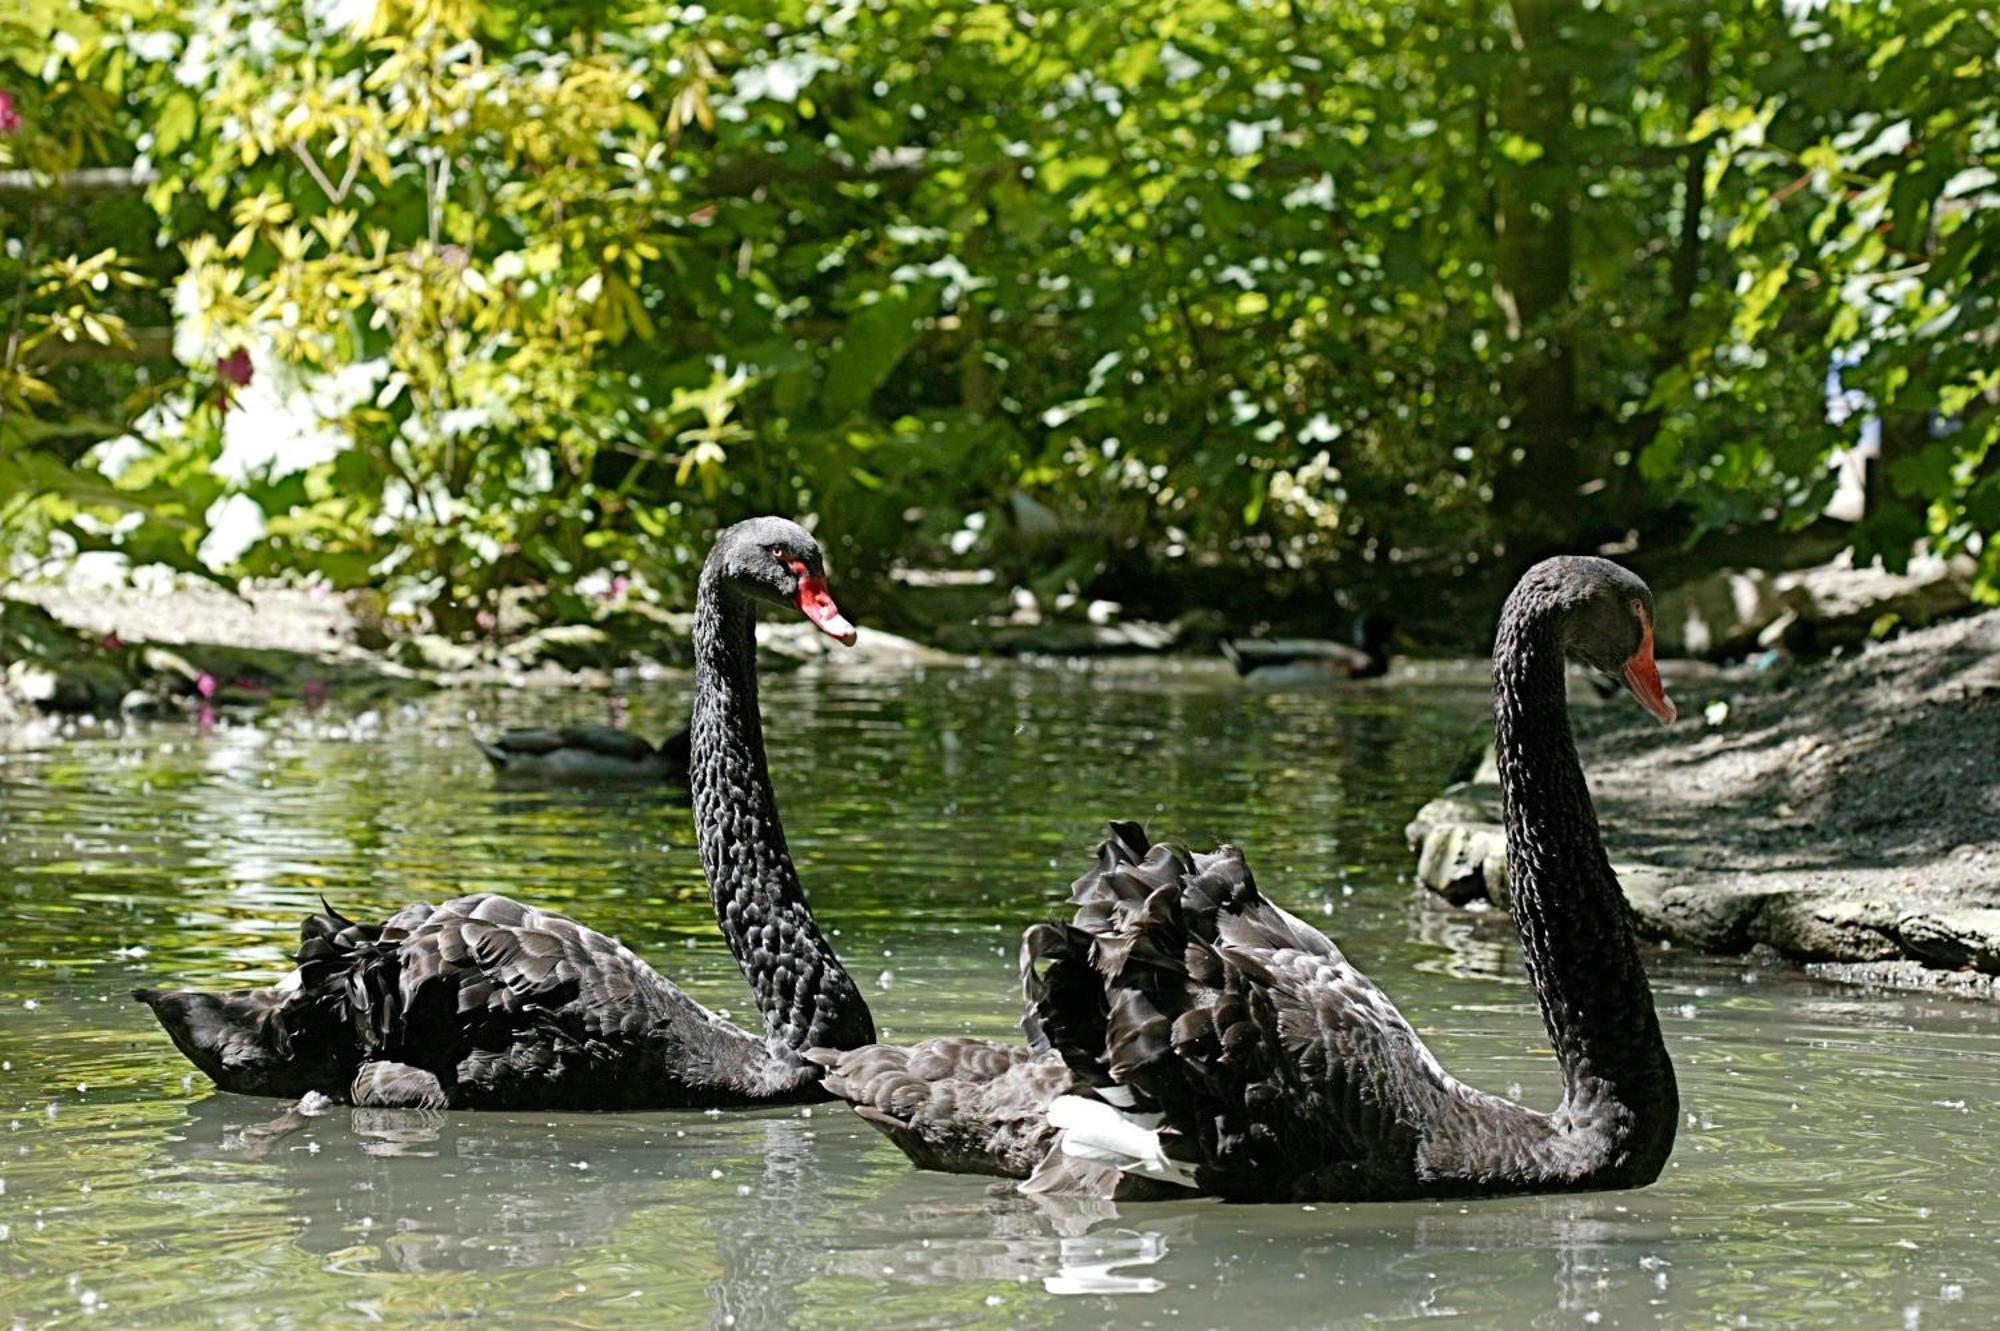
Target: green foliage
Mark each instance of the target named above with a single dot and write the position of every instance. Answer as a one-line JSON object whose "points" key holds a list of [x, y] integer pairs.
{"points": [[66, 76], [532, 290], [1860, 211]]}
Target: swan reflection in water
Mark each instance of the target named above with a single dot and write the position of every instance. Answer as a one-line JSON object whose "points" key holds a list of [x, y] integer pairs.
{"points": [[420, 1192]]}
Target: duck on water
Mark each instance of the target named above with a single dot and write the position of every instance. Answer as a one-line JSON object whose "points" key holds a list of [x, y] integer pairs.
{"points": [[588, 756], [483, 1002], [1186, 1034]]}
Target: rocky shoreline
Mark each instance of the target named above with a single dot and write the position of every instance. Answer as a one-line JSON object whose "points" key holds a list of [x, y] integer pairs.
{"points": [[1844, 814], [122, 650]]}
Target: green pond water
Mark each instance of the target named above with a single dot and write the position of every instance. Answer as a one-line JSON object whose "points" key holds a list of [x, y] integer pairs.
{"points": [[1836, 1168]]}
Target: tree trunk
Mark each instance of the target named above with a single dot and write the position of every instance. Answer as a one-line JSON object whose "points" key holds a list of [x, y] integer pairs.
{"points": [[1533, 252]]}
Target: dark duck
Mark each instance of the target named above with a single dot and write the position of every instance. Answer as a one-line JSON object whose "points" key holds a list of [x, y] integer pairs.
{"points": [[1365, 655], [587, 756]]}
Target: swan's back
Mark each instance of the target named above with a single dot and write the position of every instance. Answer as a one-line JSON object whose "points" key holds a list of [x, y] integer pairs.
{"points": [[1182, 1032], [504, 1005], [1278, 1069]]}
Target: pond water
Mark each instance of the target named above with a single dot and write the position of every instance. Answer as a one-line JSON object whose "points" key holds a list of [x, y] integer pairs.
{"points": [[1835, 1167]]}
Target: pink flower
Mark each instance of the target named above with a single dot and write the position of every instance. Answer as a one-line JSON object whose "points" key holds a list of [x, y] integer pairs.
{"points": [[10, 119], [620, 585], [113, 643], [231, 372], [205, 685]]}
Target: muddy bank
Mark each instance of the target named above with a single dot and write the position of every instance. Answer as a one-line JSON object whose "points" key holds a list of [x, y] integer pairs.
{"points": [[1844, 812]]}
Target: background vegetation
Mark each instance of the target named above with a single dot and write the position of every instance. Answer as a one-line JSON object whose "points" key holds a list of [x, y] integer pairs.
{"points": [[443, 297]]}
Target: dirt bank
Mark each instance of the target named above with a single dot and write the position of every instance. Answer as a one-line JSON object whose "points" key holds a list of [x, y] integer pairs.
{"points": [[1842, 812]]}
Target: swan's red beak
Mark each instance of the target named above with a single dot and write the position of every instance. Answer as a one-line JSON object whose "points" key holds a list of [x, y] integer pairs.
{"points": [[817, 605], [1642, 678]]}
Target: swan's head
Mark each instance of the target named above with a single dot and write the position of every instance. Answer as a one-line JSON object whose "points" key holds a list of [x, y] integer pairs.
{"points": [[1608, 622], [776, 561]]}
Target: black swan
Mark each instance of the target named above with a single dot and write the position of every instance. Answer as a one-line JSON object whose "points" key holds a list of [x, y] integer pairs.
{"points": [[1364, 656], [587, 755], [486, 1003], [1187, 1034]]}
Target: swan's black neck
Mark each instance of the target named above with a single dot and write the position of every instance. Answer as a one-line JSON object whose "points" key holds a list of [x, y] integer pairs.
{"points": [[807, 999], [1620, 1103]]}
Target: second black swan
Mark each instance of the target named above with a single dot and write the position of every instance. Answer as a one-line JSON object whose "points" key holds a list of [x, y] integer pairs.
{"points": [[1187, 1034], [486, 1003]]}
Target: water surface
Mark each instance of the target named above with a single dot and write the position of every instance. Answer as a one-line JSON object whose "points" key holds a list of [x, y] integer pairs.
{"points": [[1835, 1167]]}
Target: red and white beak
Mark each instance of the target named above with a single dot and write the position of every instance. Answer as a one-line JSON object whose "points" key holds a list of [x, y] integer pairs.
{"points": [[816, 604], [1642, 677]]}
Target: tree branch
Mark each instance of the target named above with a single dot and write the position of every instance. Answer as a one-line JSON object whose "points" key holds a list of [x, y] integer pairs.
{"points": [[89, 180], [147, 344]]}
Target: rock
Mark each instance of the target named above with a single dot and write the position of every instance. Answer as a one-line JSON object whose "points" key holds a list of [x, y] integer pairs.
{"points": [[1954, 938], [1840, 813], [1716, 915], [1840, 604], [78, 685], [798, 643], [1463, 862], [1461, 802], [1060, 638], [1461, 848], [434, 651], [1832, 605], [1199, 630], [1814, 928], [1906, 975], [33, 683], [1715, 615], [569, 646], [51, 667]]}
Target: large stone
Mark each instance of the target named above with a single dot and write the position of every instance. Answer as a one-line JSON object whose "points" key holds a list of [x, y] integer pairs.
{"points": [[569, 646], [1839, 605], [1717, 614], [1463, 862], [1814, 928], [1715, 914], [1954, 937], [1464, 802], [1732, 610]]}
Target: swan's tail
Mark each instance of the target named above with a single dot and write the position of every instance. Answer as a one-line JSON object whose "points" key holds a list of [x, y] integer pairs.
{"points": [[238, 1038], [1144, 996], [1136, 973], [1128, 1142], [309, 1031]]}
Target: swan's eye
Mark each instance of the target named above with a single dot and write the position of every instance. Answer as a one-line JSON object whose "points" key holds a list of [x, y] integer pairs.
{"points": [[778, 553]]}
